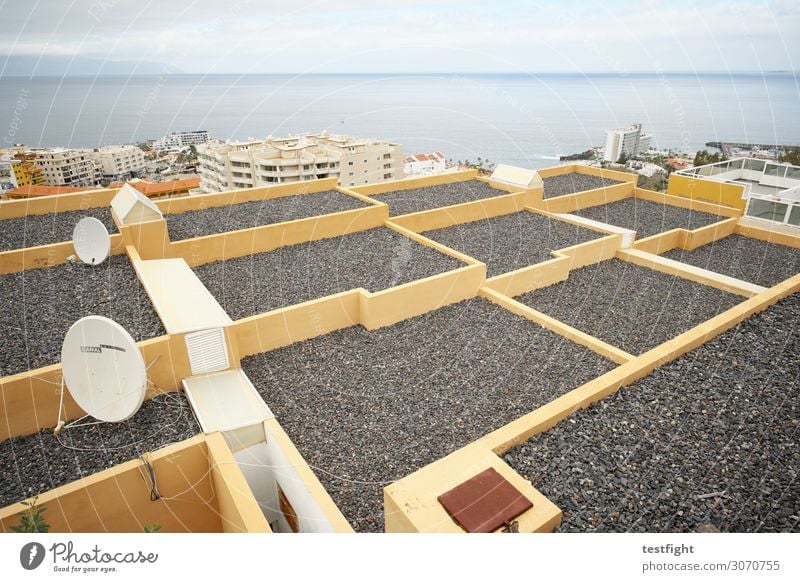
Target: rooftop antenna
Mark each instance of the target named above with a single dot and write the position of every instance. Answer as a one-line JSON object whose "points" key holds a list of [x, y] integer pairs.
{"points": [[91, 241], [103, 371]]}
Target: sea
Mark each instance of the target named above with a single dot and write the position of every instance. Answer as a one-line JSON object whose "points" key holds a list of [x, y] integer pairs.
{"points": [[527, 120]]}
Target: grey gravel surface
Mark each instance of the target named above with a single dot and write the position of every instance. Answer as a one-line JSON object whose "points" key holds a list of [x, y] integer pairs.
{"points": [[744, 258], [40, 305], [707, 441], [368, 408], [572, 183], [418, 199], [631, 307], [45, 229], [510, 242], [375, 259], [36, 463], [648, 218], [194, 223]]}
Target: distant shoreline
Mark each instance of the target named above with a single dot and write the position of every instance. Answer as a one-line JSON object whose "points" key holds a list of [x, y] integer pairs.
{"points": [[621, 75]]}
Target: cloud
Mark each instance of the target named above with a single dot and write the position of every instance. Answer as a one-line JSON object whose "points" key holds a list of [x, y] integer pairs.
{"points": [[413, 35]]}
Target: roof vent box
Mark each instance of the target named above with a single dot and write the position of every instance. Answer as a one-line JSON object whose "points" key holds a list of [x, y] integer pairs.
{"points": [[131, 206]]}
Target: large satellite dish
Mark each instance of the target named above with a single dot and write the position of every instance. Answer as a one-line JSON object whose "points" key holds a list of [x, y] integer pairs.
{"points": [[91, 241], [103, 369]]}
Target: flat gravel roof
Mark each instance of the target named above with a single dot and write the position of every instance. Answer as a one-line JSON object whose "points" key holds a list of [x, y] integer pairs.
{"points": [[207, 221], [42, 304], [631, 307], [429, 197], [513, 241], [39, 462], [708, 440], [45, 229], [744, 258], [648, 218], [572, 183], [375, 259], [366, 408]]}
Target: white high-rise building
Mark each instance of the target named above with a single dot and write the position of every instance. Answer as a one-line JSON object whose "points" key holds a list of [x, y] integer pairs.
{"points": [[67, 167], [180, 140], [119, 163], [354, 161], [626, 140]]}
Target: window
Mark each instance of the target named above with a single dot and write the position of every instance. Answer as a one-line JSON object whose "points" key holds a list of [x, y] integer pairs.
{"points": [[766, 209], [351, 173], [794, 216], [349, 163]]}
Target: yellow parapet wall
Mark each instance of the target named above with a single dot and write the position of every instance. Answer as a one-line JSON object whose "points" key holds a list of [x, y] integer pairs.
{"points": [[554, 171], [56, 203], [151, 238], [422, 182], [118, 499], [581, 200], [46, 255], [30, 400], [706, 191], [460, 213]]}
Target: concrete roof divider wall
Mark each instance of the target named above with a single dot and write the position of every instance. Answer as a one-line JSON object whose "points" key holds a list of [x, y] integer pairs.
{"points": [[517, 196], [152, 238], [201, 488], [709, 191], [229, 197], [37, 257], [617, 175], [44, 256], [30, 399], [56, 203], [287, 325]]}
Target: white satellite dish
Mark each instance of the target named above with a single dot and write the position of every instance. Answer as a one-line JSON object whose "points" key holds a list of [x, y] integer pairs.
{"points": [[91, 241], [103, 369]]}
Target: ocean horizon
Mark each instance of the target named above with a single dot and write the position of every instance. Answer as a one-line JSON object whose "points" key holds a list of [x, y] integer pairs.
{"points": [[518, 118]]}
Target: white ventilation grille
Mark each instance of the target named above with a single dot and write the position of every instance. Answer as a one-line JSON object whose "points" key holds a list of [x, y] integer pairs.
{"points": [[207, 351]]}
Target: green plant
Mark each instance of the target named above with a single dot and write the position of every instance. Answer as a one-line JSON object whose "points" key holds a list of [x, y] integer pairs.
{"points": [[152, 527], [703, 158], [32, 521], [791, 155]]}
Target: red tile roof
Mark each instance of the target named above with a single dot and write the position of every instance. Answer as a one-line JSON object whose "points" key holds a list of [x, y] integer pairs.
{"points": [[34, 190], [162, 188]]}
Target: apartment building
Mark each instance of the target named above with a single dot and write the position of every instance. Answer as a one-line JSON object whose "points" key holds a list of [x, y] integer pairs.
{"points": [[354, 161], [180, 140], [8, 179], [119, 162], [67, 167], [629, 141]]}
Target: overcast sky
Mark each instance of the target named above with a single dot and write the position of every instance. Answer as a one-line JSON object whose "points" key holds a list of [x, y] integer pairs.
{"points": [[300, 36]]}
